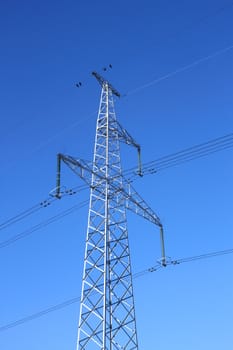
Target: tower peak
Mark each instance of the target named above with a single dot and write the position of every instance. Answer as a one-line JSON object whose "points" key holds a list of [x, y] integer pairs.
{"points": [[104, 81]]}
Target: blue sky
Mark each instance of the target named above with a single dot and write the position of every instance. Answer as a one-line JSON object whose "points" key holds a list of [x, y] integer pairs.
{"points": [[46, 46]]}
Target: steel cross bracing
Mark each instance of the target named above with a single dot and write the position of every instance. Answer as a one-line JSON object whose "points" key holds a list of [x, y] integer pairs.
{"points": [[133, 200], [107, 315]]}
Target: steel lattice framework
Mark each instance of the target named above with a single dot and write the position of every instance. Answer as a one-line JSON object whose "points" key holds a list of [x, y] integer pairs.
{"points": [[107, 317], [107, 314]]}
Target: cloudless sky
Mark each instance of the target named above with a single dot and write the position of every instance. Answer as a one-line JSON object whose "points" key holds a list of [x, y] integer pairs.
{"points": [[46, 47]]}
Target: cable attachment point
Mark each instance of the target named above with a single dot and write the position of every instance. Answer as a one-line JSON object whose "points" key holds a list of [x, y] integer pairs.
{"points": [[58, 192], [45, 203], [70, 192]]}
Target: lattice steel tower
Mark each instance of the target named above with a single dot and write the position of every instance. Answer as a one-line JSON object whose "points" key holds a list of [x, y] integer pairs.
{"points": [[107, 314]]}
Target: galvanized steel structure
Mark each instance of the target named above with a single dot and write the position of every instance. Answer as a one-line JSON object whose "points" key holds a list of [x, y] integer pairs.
{"points": [[107, 315]]}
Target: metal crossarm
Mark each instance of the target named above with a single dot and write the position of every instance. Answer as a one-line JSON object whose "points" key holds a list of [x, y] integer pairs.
{"points": [[125, 137], [133, 200]]}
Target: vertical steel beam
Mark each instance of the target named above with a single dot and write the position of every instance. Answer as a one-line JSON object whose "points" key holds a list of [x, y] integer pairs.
{"points": [[107, 314]]}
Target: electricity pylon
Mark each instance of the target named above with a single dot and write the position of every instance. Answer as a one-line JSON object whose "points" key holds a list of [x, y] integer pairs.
{"points": [[107, 314]]}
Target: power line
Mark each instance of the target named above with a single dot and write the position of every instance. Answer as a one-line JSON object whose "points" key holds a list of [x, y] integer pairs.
{"points": [[202, 256], [152, 167], [72, 125], [179, 70], [35, 208], [186, 155], [139, 274], [25, 213], [54, 136], [42, 224], [197, 151], [184, 260], [165, 164], [39, 314]]}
